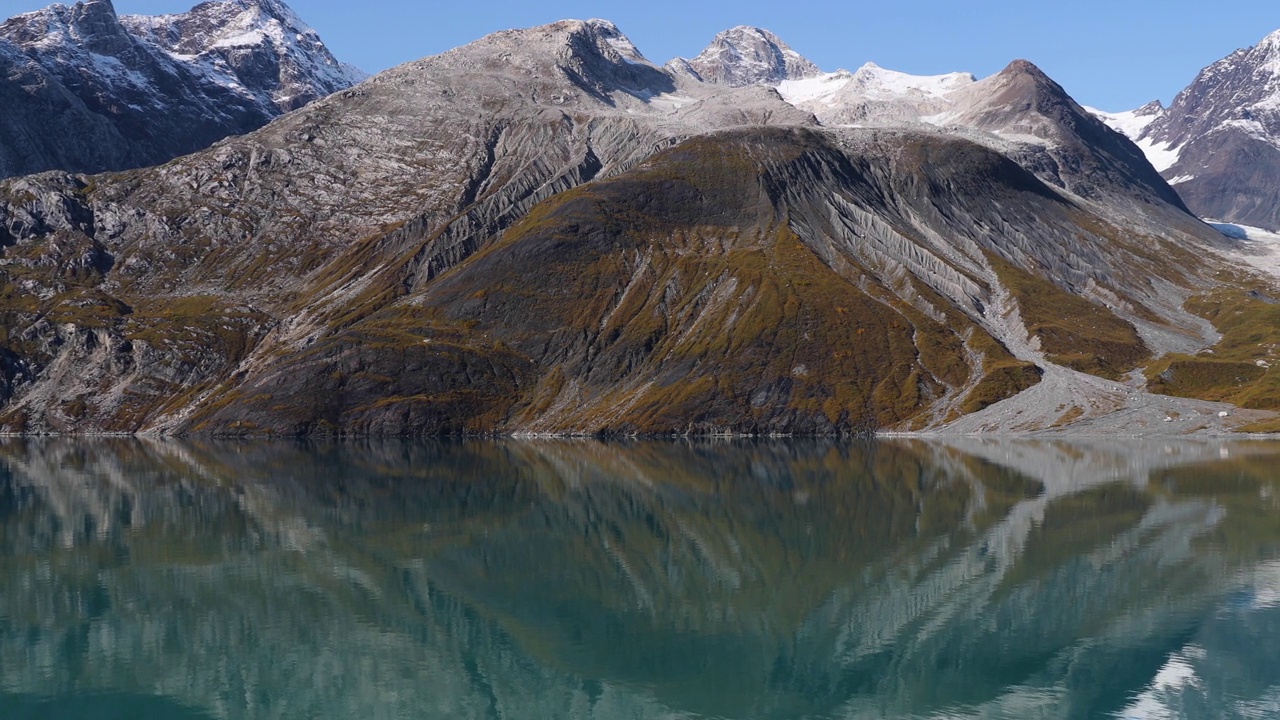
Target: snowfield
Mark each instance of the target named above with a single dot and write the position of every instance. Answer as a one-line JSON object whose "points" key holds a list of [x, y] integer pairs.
{"points": [[1255, 247]]}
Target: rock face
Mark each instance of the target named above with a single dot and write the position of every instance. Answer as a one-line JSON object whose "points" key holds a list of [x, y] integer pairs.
{"points": [[1219, 142], [86, 90], [542, 231], [745, 56]]}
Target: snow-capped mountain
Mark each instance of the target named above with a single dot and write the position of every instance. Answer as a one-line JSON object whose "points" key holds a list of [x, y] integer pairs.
{"points": [[261, 46], [87, 90], [1219, 142], [745, 56]]}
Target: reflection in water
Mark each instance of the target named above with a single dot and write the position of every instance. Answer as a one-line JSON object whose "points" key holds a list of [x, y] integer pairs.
{"points": [[651, 580]]}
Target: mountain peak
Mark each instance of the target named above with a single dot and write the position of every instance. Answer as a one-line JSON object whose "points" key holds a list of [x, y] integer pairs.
{"points": [[288, 67], [1024, 67], [277, 10], [610, 40], [746, 55], [91, 8], [1219, 141], [742, 32]]}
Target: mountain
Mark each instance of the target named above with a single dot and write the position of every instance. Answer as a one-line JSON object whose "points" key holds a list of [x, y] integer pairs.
{"points": [[86, 90], [1219, 142], [542, 231], [745, 56]]}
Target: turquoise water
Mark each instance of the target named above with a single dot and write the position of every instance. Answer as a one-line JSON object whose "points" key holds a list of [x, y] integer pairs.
{"points": [[957, 579]]}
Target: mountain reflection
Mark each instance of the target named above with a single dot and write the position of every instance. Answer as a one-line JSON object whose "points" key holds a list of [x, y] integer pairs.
{"points": [[587, 580]]}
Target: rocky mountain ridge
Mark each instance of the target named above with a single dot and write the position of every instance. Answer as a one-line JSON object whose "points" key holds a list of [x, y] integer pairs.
{"points": [[87, 90], [543, 232], [1219, 142]]}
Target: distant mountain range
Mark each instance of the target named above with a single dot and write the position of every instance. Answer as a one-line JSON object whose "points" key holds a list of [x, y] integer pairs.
{"points": [[86, 90], [544, 232]]}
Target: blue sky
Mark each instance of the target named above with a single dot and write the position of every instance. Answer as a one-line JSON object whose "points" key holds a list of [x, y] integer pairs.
{"points": [[1113, 54]]}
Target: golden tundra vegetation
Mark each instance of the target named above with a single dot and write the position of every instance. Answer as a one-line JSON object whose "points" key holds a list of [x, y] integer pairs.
{"points": [[1243, 368]]}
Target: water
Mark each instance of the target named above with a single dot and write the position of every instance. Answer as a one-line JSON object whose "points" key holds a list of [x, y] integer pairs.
{"points": [[959, 579]]}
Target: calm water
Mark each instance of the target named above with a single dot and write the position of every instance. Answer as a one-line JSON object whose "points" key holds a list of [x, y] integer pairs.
{"points": [[966, 579]]}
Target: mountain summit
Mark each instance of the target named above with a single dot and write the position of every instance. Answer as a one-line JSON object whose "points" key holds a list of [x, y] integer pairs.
{"points": [[87, 90], [745, 56]]}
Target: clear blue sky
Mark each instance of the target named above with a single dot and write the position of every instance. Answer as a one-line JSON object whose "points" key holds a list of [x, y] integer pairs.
{"points": [[1113, 54]]}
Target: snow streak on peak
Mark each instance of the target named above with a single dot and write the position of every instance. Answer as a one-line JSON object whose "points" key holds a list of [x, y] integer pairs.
{"points": [[1136, 125]]}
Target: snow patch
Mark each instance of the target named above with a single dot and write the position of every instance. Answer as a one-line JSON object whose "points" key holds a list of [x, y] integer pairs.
{"points": [[878, 83], [670, 101], [1161, 155], [872, 82], [1132, 124], [1255, 247], [820, 88]]}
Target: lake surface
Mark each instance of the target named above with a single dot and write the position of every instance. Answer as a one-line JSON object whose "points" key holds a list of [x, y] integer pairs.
{"points": [[951, 579]]}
